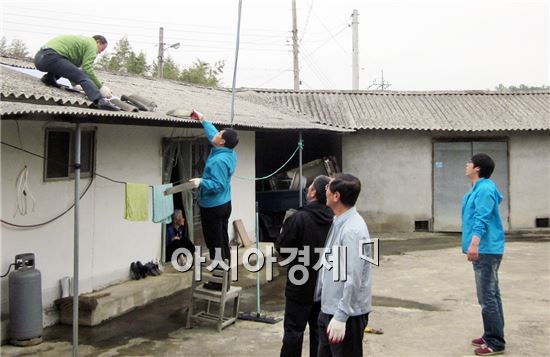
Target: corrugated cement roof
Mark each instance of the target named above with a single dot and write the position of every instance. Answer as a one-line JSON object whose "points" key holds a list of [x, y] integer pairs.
{"points": [[23, 94], [448, 111]]}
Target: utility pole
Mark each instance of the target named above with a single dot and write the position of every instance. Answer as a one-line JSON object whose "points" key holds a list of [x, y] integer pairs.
{"points": [[295, 47], [161, 52], [355, 52]]}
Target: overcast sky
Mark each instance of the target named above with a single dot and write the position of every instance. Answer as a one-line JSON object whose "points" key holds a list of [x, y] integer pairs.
{"points": [[419, 44]]}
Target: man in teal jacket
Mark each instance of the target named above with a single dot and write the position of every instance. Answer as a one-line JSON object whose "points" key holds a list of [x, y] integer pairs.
{"points": [[483, 243], [215, 187], [72, 57]]}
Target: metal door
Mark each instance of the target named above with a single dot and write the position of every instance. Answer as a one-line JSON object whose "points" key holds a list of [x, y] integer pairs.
{"points": [[498, 151], [450, 183]]}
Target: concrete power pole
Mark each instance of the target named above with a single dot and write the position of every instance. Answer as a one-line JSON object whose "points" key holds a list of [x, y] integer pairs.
{"points": [[161, 52], [295, 47], [355, 53]]}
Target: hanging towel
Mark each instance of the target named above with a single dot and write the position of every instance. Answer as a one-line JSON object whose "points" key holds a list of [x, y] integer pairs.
{"points": [[137, 202], [163, 206]]}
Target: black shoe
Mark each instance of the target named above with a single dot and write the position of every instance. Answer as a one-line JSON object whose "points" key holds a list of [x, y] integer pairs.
{"points": [[151, 269], [50, 82], [134, 272], [104, 104], [142, 269], [156, 269]]}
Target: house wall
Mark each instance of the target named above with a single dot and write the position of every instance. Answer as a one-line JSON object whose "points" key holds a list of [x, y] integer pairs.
{"points": [[529, 155], [396, 174], [108, 242]]}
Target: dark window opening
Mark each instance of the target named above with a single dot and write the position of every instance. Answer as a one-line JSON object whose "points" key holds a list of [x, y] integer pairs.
{"points": [[59, 153], [422, 226], [543, 222]]}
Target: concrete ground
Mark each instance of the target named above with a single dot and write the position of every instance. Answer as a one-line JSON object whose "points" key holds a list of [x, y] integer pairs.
{"points": [[424, 300]]}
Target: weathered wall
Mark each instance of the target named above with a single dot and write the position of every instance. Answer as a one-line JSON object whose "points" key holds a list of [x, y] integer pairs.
{"points": [[395, 171], [529, 155], [108, 242]]}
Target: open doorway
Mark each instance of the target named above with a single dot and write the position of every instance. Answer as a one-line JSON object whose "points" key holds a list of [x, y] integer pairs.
{"points": [[183, 159], [322, 153]]}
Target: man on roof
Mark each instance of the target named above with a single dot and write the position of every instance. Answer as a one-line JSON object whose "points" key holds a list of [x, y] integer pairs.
{"points": [[72, 57]]}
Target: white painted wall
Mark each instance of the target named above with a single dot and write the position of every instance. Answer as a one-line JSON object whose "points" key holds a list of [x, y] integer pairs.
{"points": [[108, 242], [396, 177], [529, 156]]}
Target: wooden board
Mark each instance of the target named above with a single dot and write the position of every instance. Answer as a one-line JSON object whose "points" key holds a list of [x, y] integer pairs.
{"points": [[241, 231]]}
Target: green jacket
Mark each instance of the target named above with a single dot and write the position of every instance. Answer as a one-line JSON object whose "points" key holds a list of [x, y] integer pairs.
{"points": [[79, 50]]}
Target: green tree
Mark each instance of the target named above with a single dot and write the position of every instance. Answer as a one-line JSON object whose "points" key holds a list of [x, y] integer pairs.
{"points": [[521, 88], [17, 49], [137, 64], [124, 59], [203, 73], [117, 61], [170, 70]]}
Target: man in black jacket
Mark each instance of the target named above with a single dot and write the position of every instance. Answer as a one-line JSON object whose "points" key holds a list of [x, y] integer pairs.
{"points": [[306, 229]]}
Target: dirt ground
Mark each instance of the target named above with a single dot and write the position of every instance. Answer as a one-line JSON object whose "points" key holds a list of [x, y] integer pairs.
{"points": [[423, 298]]}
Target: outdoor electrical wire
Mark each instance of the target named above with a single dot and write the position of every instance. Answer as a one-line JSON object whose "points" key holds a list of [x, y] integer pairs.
{"points": [[300, 146]]}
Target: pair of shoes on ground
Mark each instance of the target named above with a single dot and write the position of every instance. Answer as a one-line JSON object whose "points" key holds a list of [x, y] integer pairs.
{"points": [[483, 349], [140, 271]]}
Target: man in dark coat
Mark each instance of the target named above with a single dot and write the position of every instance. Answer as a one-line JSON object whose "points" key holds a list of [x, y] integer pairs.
{"points": [[306, 230]]}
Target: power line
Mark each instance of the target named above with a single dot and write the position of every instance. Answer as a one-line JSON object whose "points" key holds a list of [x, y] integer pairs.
{"points": [[187, 40], [302, 58], [154, 23], [318, 72], [307, 21], [209, 48], [330, 33]]}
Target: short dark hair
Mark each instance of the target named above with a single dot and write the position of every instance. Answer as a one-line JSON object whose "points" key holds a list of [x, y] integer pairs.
{"points": [[101, 39], [485, 163], [231, 138], [319, 184], [348, 186]]}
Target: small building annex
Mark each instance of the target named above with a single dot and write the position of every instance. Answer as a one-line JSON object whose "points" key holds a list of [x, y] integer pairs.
{"points": [[409, 149]]}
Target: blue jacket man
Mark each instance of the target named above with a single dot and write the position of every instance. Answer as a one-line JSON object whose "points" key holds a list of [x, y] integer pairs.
{"points": [[483, 243], [215, 188]]}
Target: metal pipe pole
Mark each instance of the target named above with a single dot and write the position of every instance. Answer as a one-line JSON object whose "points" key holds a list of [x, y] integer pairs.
{"points": [[161, 52], [258, 293], [235, 66], [355, 45], [300, 178], [76, 235]]}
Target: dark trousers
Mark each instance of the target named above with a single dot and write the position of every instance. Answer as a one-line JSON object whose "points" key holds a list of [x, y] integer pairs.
{"points": [[297, 315], [214, 222], [179, 243], [352, 346], [488, 296], [57, 66]]}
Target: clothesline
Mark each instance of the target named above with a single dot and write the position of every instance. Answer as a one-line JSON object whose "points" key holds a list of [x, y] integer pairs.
{"points": [[299, 146]]}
